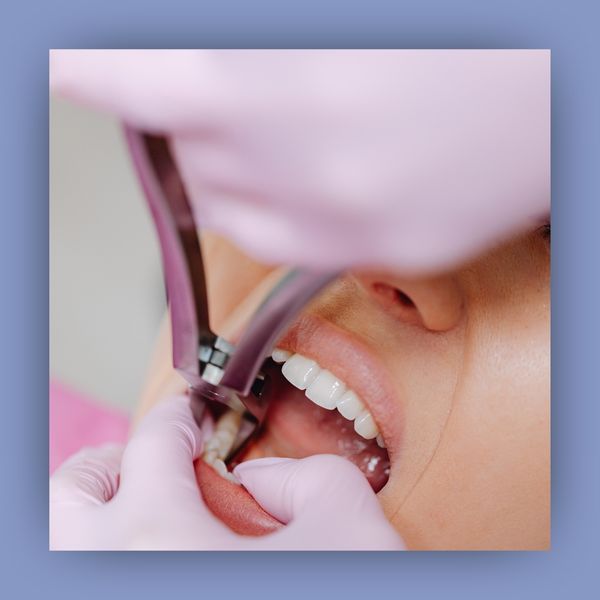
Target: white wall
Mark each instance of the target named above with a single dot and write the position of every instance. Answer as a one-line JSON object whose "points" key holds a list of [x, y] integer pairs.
{"points": [[106, 292]]}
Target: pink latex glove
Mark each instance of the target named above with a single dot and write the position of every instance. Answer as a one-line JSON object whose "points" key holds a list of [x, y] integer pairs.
{"points": [[145, 497], [414, 160]]}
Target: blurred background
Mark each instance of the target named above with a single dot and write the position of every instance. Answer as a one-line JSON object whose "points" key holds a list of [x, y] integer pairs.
{"points": [[106, 291]]}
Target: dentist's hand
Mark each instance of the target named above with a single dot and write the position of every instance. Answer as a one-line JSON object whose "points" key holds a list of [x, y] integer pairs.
{"points": [[413, 160], [146, 497]]}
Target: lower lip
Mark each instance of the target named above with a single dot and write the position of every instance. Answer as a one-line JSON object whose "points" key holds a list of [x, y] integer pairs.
{"points": [[232, 504]]}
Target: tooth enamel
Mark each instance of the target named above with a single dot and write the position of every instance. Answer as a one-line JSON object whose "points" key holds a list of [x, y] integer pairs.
{"points": [[210, 456], [280, 356], [350, 405], [227, 429], [220, 467], [231, 477], [300, 371], [325, 390], [220, 443], [212, 445], [365, 426], [224, 441]]}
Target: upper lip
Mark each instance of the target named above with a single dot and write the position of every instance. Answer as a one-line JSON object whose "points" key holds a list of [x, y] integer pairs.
{"points": [[342, 353]]}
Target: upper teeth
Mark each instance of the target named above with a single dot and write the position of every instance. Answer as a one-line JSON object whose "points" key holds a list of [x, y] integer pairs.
{"points": [[327, 390]]}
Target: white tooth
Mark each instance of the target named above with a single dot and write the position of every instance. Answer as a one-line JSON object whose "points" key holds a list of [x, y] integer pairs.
{"points": [[350, 405], [380, 441], [279, 355], [212, 444], [231, 477], [325, 390], [229, 422], [226, 431], [210, 456], [300, 371], [225, 441], [365, 426], [221, 441], [220, 467]]}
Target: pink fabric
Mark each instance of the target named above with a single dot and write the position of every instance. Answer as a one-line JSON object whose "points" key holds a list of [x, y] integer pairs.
{"points": [[77, 421]]}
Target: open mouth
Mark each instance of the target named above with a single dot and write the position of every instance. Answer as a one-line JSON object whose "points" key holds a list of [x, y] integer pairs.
{"points": [[322, 401]]}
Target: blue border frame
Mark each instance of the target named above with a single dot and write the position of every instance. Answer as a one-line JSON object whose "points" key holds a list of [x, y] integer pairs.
{"points": [[30, 29]]}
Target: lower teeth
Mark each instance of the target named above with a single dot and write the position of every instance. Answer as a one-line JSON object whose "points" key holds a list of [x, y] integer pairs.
{"points": [[220, 444], [221, 468]]}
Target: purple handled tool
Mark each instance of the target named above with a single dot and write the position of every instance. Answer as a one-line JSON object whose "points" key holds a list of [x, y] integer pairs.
{"points": [[214, 369]]}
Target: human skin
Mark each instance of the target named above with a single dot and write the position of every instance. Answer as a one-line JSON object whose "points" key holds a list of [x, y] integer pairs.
{"points": [[467, 354]]}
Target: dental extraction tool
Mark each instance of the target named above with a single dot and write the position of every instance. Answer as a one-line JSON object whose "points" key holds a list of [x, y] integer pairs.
{"points": [[214, 369]]}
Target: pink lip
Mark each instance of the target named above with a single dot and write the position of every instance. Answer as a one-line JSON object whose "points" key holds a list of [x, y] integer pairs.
{"points": [[232, 504], [346, 356]]}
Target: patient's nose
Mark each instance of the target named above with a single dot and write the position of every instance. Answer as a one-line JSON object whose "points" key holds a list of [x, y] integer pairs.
{"points": [[434, 303]]}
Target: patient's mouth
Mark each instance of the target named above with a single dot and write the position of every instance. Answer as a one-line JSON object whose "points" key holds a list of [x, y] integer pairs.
{"points": [[312, 410], [324, 417]]}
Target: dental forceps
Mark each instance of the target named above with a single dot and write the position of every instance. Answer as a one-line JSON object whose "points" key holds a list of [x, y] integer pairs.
{"points": [[214, 369]]}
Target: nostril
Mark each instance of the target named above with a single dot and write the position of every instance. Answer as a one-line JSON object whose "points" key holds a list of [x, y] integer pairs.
{"points": [[435, 303], [397, 302], [393, 295], [404, 299]]}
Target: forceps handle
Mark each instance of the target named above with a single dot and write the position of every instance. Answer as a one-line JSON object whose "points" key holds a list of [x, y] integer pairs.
{"points": [[186, 283], [275, 313], [180, 249]]}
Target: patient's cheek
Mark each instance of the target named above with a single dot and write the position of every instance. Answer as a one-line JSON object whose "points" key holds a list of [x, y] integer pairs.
{"points": [[232, 504]]}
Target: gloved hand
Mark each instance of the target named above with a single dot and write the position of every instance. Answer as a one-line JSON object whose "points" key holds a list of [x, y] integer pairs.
{"points": [[409, 159], [146, 497]]}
